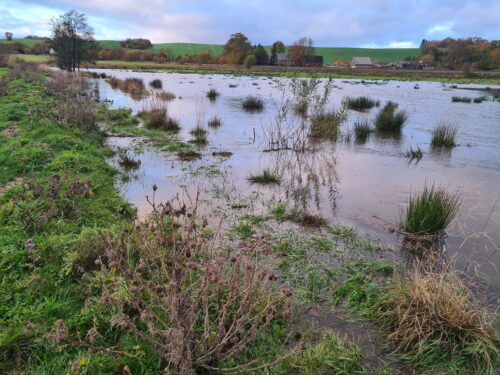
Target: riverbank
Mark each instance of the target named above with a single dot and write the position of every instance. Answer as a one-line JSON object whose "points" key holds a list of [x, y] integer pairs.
{"points": [[72, 251]]}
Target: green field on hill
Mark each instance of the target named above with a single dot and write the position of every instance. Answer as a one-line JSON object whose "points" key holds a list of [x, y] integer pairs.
{"points": [[330, 54]]}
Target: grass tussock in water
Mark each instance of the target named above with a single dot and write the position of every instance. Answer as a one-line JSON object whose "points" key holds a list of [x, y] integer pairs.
{"points": [[156, 84], [461, 99], [212, 94], [265, 177], [389, 119], [253, 104], [156, 117], [414, 153], [444, 135], [127, 161], [133, 86], [361, 103], [166, 96], [430, 210], [362, 130], [326, 125], [433, 320], [307, 219], [199, 134], [215, 122]]}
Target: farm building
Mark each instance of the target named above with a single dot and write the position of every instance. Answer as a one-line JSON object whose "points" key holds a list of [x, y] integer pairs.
{"points": [[282, 59], [361, 63]]}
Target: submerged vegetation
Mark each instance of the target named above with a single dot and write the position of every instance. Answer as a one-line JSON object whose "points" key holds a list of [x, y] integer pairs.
{"points": [[212, 94], [199, 134], [133, 86], [214, 122]]}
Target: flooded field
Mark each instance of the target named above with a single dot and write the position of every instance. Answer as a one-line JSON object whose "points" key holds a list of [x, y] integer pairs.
{"points": [[363, 184]]}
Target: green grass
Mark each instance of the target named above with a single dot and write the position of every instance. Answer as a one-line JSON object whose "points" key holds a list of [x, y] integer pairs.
{"points": [[444, 135], [430, 210], [265, 177], [362, 130]]}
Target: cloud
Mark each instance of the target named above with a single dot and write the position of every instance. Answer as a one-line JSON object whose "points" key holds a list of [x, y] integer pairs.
{"points": [[394, 23]]}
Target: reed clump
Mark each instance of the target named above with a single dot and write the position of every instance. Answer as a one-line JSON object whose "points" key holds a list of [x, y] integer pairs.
{"points": [[389, 119], [156, 84], [200, 135], [361, 103], [133, 86], [430, 210], [156, 117], [212, 94], [444, 135], [253, 104], [214, 122], [265, 177], [166, 96], [362, 130], [326, 124]]}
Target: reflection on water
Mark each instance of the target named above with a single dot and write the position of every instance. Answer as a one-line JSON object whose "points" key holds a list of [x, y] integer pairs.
{"points": [[347, 180]]}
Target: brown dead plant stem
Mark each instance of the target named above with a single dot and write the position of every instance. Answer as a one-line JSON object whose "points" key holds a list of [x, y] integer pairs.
{"points": [[197, 303]]}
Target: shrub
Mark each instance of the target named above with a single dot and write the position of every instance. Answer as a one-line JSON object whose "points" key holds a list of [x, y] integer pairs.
{"points": [[212, 94], [250, 61], [434, 321], [156, 84], [326, 124], [196, 303], [361, 103], [390, 120], [199, 134], [156, 117], [266, 177], [362, 130], [214, 122], [430, 210], [444, 135], [253, 104]]}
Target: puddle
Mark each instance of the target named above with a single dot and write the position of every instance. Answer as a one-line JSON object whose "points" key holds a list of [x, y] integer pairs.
{"points": [[366, 185]]}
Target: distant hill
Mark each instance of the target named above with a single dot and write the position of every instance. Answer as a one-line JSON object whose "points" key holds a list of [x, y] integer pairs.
{"points": [[330, 54]]}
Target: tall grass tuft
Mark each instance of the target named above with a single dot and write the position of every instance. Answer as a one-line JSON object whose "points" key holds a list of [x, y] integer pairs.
{"points": [[199, 134], [444, 135], [156, 84], [430, 210], [253, 104], [156, 117], [362, 130], [361, 103], [326, 124], [389, 119], [265, 177], [166, 96], [433, 320], [214, 122], [212, 94]]}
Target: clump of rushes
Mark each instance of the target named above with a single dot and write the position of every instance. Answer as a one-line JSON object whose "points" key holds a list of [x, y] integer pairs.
{"points": [[156, 84], [430, 210], [133, 86], [214, 122], [461, 99], [444, 135], [362, 130], [435, 323], [253, 104], [166, 96], [361, 103], [327, 124], [212, 94], [389, 119], [480, 99], [266, 177], [199, 134], [156, 117]]}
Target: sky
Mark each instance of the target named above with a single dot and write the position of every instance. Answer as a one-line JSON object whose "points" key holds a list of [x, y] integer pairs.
{"points": [[330, 23]]}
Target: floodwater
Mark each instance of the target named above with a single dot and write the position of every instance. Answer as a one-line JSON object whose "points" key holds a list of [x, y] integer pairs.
{"points": [[366, 185]]}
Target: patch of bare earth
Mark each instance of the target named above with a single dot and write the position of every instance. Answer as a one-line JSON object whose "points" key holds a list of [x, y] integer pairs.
{"points": [[3, 188], [11, 131]]}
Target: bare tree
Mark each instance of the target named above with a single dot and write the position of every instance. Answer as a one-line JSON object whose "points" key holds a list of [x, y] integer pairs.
{"points": [[73, 40]]}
